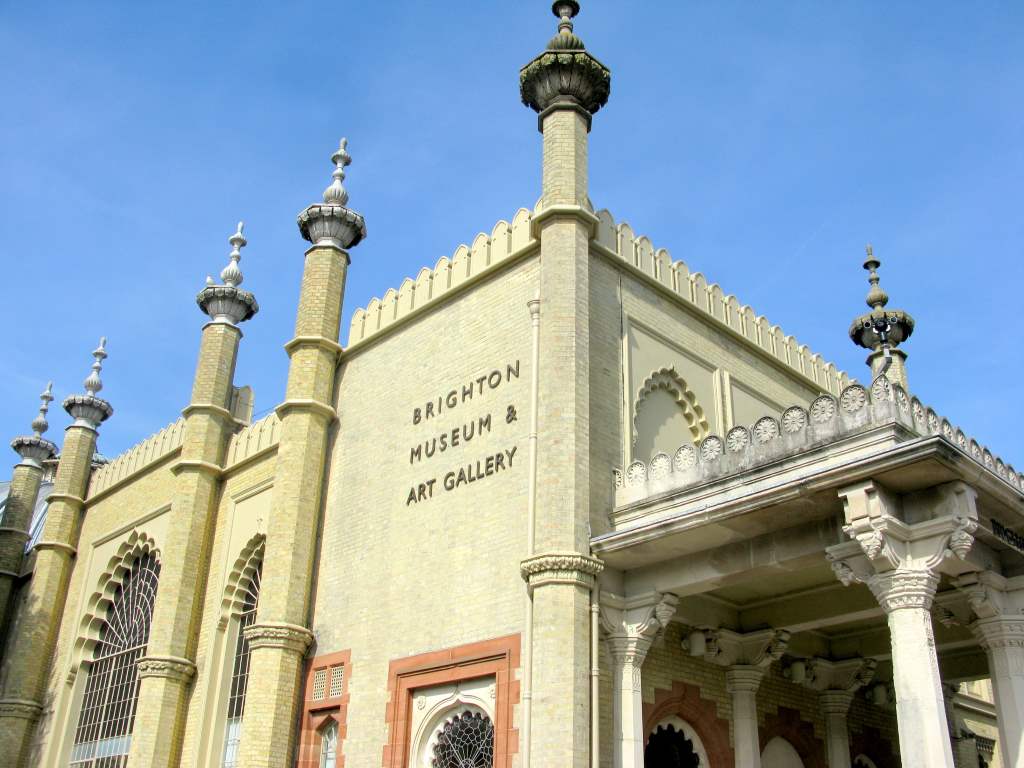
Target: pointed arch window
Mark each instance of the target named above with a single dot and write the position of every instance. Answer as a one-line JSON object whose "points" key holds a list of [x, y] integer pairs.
{"points": [[329, 746], [104, 732], [240, 670]]}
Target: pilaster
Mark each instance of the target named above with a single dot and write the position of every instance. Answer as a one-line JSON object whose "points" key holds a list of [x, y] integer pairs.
{"points": [[22, 496], [836, 683], [565, 85], [279, 637], [630, 627], [25, 666], [166, 672]]}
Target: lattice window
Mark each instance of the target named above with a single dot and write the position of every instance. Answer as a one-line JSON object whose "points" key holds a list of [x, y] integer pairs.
{"points": [[319, 684], [105, 723], [465, 741], [337, 681], [240, 671], [329, 746]]}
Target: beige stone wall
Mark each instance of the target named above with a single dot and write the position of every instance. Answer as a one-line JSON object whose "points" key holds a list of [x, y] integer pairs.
{"points": [[398, 578]]}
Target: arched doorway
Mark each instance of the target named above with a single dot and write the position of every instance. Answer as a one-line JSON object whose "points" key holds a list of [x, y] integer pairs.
{"points": [[779, 753], [674, 744]]}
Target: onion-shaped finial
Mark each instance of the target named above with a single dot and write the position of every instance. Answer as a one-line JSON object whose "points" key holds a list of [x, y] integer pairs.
{"points": [[92, 382], [39, 423], [566, 39], [335, 194], [231, 274], [877, 298]]}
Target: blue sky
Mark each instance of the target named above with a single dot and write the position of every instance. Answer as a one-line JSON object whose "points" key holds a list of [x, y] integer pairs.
{"points": [[764, 143]]}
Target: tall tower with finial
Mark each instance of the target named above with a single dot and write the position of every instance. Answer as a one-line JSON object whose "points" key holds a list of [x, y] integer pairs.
{"points": [[21, 700], [565, 85], [882, 330], [22, 497], [280, 636], [166, 671]]}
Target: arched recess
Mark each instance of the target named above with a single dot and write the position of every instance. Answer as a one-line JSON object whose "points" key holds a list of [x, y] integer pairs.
{"points": [[779, 753], [873, 747], [135, 545], [681, 739], [863, 761], [684, 702], [241, 591], [665, 415], [788, 725]]}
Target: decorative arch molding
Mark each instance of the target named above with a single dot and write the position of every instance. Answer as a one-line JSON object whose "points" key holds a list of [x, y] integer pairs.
{"points": [[683, 727], [683, 701], [137, 544], [236, 588], [789, 725], [872, 744], [668, 379]]}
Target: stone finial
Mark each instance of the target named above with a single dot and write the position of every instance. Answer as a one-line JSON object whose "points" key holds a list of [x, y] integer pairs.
{"points": [[881, 330], [228, 303], [335, 194], [35, 449], [39, 423], [88, 410], [565, 75], [92, 382], [332, 224], [232, 274]]}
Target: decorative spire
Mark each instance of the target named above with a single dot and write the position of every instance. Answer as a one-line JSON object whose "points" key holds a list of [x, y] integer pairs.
{"points": [[88, 410], [92, 382], [881, 330], [39, 423], [565, 40], [335, 194], [231, 274], [332, 223], [877, 298], [228, 303], [565, 74]]}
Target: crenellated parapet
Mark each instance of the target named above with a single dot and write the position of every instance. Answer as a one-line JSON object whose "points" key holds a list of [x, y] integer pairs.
{"points": [[138, 458], [618, 241], [466, 265], [253, 440], [827, 420]]}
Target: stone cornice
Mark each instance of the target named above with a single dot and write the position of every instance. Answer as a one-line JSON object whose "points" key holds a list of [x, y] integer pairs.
{"points": [[561, 568], [209, 409], [319, 342], [563, 211], [287, 637], [311, 406], [56, 545], [167, 667]]}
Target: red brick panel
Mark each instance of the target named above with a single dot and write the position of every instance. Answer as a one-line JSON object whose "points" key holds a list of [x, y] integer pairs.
{"points": [[684, 701], [788, 724], [318, 714], [498, 658]]}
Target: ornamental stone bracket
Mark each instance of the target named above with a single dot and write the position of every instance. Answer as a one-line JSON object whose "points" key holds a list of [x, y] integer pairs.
{"points": [[571, 568], [899, 545], [849, 675], [174, 668], [631, 625], [727, 648], [997, 608], [279, 635]]}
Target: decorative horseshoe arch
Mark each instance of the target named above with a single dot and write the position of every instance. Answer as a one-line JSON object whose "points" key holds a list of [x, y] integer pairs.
{"points": [[668, 379], [138, 544], [240, 577]]}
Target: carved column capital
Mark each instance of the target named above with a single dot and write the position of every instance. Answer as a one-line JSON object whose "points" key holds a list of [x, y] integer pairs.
{"points": [[904, 588], [570, 568], [632, 624], [168, 667], [743, 678], [1000, 632], [287, 637], [835, 702], [727, 648]]}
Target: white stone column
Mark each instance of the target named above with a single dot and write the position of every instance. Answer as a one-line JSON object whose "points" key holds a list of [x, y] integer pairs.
{"points": [[906, 596], [836, 706], [742, 682], [900, 562], [1002, 637], [631, 626]]}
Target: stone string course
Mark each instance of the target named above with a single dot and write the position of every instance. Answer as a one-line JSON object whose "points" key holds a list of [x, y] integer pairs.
{"points": [[486, 253], [826, 420]]}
